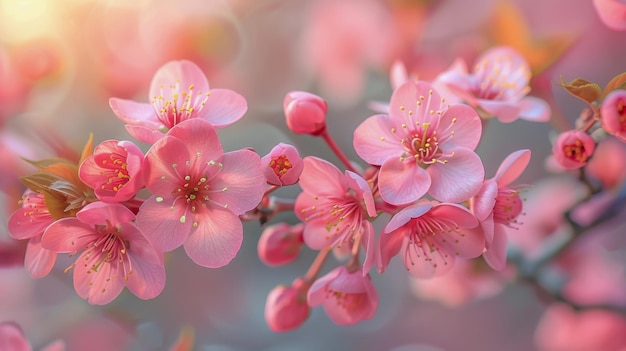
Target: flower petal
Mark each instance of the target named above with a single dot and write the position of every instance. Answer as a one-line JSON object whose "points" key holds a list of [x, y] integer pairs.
{"points": [[375, 141], [144, 134], [406, 214], [100, 213], [505, 111], [402, 182], [37, 260], [483, 202], [459, 179], [317, 292], [216, 240], [223, 108], [201, 139], [427, 261], [512, 166], [389, 244], [462, 125], [322, 178], [164, 222], [534, 109], [135, 113], [98, 283], [182, 73], [495, 255], [68, 235]]}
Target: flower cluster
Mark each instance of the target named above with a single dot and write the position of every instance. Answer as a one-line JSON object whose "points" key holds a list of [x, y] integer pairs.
{"points": [[419, 190]]}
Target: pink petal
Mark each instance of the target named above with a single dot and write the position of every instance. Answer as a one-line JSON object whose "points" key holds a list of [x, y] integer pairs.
{"points": [[360, 185], [242, 177], [58, 345], [12, 338], [182, 73], [402, 182], [317, 294], [98, 213], [454, 213], [403, 107], [216, 240], [37, 260], [68, 235], [432, 260], [505, 111], [484, 201], [612, 13], [457, 180], [463, 243], [369, 243], [164, 222], [223, 108], [316, 234], [512, 167], [322, 178], [374, 140], [144, 134], [147, 280], [200, 138], [22, 226], [406, 214], [389, 244], [534, 109], [399, 74], [135, 113], [495, 255], [161, 166], [98, 286], [462, 125]]}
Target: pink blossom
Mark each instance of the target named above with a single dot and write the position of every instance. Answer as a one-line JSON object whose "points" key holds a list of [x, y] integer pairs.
{"points": [[29, 222], [280, 243], [573, 148], [563, 329], [497, 206], [286, 307], [199, 192], [305, 113], [179, 91], [115, 253], [608, 164], [429, 237], [335, 207], [12, 339], [347, 297], [282, 165], [114, 170], [612, 13], [422, 146], [498, 85], [613, 112]]}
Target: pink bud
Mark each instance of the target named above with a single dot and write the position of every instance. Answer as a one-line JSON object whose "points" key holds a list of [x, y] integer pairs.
{"points": [[283, 165], [305, 112], [286, 307], [613, 112], [280, 243], [573, 148]]}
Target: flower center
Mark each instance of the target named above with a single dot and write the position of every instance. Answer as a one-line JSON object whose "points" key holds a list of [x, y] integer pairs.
{"points": [[576, 151], [508, 206], [116, 172], [500, 78], [280, 165], [174, 106], [350, 302]]}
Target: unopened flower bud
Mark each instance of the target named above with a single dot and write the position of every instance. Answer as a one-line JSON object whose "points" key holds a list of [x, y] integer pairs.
{"points": [[280, 243], [305, 112], [613, 112], [286, 307], [573, 148], [283, 165]]}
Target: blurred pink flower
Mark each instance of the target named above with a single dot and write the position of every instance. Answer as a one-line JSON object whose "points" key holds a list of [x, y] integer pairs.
{"points": [[29, 222], [335, 208], [179, 91], [498, 85], [283, 165], [608, 163], [497, 206], [347, 297], [199, 192], [286, 307], [305, 113], [613, 111], [12, 339], [563, 329], [115, 253], [422, 146], [280, 243], [612, 13], [573, 148], [114, 170], [429, 237]]}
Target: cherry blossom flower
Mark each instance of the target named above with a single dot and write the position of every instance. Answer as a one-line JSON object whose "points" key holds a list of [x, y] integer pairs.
{"points": [[612, 13], [12, 339], [305, 113], [115, 253], [347, 297], [613, 113], [573, 148], [497, 206], [422, 146], [498, 86], [198, 193], [179, 91], [335, 208], [29, 222], [286, 307], [283, 165], [114, 170], [429, 237], [280, 243]]}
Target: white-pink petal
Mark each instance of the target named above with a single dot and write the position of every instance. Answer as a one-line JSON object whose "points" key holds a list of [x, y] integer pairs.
{"points": [[165, 223], [375, 141], [534, 109], [458, 179], [512, 167], [402, 182], [223, 107]]}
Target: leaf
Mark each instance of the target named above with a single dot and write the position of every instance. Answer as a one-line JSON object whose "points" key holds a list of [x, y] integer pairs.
{"points": [[618, 82], [582, 89], [87, 150]]}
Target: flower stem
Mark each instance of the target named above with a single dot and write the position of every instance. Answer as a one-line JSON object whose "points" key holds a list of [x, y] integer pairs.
{"points": [[317, 264], [335, 148]]}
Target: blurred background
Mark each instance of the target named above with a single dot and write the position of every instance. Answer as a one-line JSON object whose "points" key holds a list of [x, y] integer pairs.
{"points": [[61, 61]]}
